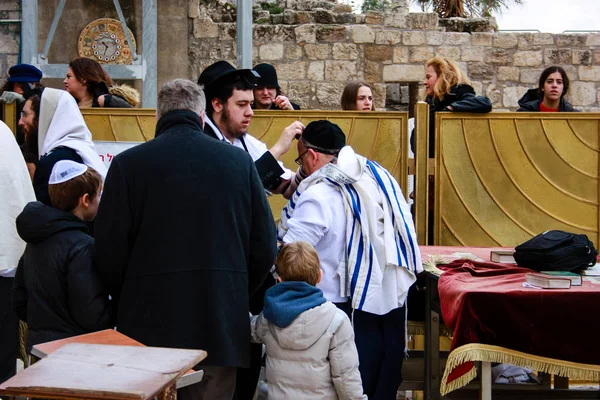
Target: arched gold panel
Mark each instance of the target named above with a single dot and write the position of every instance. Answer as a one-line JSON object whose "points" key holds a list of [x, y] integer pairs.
{"points": [[504, 177]]}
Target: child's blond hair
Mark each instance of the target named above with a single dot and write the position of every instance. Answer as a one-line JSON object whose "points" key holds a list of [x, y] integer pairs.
{"points": [[298, 261]]}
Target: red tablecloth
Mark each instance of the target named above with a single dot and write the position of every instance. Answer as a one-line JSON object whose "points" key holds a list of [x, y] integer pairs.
{"points": [[486, 303]]}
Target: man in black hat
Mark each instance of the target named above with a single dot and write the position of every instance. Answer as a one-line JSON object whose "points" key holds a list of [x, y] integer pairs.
{"points": [[229, 98], [352, 211], [267, 93]]}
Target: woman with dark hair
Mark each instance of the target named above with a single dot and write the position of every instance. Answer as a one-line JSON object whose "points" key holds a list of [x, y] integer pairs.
{"points": [[553, 85], [91, 86], [357, 96]]}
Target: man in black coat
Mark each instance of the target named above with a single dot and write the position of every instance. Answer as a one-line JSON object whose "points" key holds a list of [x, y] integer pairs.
{"points": [[184, 236]]}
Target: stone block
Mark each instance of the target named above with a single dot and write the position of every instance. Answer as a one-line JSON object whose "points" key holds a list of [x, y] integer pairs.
{"points": [[597, 57], [305, 17], [360, 19], [379, 96], [261, 17], [265, 34], [227, 31], [473, 54], [570, 39], [292, 71], [457, 39], [293, 52], [452, 53], [374, 18], [477, 86], [341, 71], [378, 53], [469, 25], [299, 92], [526, 42], [420, 54], [543, 39], [277, 19], [193, 8], [331, 33], [396, 19], [306, 34], [511, 96], [342, 8], [373, 72], [388, 37], [362, 34], [415, 38], [582, 93], [506, 40], [482, 38], [481, 71], [329, 94], [557, 56], [530, 76], [326, 4], [582, 57], [317, 51], [508, 74], [345, 51], [271, 52], [403, 73], [527, 59], [435, 38], [289, 17], [494, 94], [204, 28], [422, 21], [593, 40], [345, 18], [400, 55], [498, 56], [316, 71], [591, 73], [324, 16]]}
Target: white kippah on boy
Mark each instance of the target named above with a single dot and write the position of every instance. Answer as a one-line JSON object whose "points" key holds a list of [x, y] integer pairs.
{"points": [[65, 170]]}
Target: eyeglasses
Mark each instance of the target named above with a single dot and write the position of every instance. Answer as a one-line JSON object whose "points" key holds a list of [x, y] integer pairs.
{"points": [[299, 159], [23, 114]]}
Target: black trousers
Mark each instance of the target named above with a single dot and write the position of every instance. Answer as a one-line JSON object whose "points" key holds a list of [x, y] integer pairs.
{"points": [[9, 331]]}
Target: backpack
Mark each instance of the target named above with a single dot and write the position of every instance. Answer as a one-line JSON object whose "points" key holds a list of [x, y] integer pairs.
{"points": [[556, 251]]}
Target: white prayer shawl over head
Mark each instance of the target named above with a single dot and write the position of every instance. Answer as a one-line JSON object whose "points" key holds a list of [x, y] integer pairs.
{"points": [[382, 253], [16, 190], [61, 124]]}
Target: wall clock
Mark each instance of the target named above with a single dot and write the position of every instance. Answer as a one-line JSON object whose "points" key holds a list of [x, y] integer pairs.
{"points": [[104, 41]]}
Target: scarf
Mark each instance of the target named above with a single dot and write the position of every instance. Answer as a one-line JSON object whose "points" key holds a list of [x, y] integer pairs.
{"points": [[382, 254]]}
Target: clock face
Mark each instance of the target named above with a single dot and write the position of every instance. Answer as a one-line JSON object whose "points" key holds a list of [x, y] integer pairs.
{"points": [[104, 41]]}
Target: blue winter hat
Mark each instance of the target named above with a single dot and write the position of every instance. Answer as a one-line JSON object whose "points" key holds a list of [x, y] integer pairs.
{"points": [[24, 73]]}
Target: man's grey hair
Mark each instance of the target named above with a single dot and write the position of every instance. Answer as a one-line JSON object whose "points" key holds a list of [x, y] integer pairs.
{"points": [[180, 94]]}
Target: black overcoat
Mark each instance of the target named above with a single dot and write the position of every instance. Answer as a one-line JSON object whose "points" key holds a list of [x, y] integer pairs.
{"points": [[184, 236]]}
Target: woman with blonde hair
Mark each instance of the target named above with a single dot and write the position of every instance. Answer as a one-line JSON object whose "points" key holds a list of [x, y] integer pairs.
{"points": [[358, 96], [447, 88], [91, 86]]}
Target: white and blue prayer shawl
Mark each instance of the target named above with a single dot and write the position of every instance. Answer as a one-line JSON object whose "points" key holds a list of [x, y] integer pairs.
{"points": [[363, 281]]}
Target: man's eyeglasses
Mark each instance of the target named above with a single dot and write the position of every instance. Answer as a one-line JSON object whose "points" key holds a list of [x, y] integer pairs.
{"points": [[299, 159], [23, 114]]}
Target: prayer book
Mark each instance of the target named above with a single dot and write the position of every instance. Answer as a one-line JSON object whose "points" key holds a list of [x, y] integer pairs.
{"points": [[547, 281], [592, 271], [503, 256], [575, 278]]}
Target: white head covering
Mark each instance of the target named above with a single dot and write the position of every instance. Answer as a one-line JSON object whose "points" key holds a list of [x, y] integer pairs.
{"points": [[16, 190], [65, 170], [61, 124]]}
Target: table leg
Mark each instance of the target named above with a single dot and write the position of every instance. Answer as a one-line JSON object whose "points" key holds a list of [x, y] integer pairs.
{"points": [[432, 345], [486, 381]]}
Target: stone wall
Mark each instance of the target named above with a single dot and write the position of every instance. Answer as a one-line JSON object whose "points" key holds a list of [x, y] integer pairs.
{"points": [[9, 38], [317, 46]]}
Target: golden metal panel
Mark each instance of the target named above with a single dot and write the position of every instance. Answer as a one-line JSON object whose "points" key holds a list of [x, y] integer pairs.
{"points": [[504, 177], [421, 171]]}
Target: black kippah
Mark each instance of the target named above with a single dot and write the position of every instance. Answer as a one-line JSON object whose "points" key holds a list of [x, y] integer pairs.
{"points": [[324, 136]]}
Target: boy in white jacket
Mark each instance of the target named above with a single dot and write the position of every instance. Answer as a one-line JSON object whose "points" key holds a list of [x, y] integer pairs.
{"points": [[310, 342]]}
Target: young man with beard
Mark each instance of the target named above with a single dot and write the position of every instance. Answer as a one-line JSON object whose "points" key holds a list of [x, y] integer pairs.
{"points": [[54, 130], [229, 99]]}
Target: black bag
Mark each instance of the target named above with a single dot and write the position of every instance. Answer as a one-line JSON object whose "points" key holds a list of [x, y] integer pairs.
{"points": [[556, 251]]}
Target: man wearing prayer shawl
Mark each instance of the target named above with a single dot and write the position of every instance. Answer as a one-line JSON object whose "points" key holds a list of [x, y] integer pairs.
{"points": [[353, 212], [54, 130]]}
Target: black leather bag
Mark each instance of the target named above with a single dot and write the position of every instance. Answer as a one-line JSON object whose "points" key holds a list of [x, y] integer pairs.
{"points": [[556, 251]]}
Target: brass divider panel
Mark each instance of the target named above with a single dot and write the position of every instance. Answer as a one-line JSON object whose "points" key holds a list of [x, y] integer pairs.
{"points": [[505, 177], [422, 171]]}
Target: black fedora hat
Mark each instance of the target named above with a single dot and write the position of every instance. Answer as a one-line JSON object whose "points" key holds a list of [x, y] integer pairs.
{"points": [[222, 72], [268, 76]]}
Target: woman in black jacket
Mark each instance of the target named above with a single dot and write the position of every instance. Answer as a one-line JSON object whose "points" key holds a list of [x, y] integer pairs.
{"points": [[549, 96]]}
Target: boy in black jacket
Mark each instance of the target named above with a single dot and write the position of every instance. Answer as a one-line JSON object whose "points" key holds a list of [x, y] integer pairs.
{"points": [[56, 289]]}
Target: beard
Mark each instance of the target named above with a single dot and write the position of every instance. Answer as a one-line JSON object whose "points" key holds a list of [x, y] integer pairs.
{"points": [[30, 146], [236, 132]]}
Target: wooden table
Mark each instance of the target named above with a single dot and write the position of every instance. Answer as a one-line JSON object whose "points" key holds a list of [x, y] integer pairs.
{"points": [[111, 337], [103, 372]]}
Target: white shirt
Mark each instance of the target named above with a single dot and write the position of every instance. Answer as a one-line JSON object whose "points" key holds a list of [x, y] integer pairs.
{"points": [[320, 219], [255, 147]]}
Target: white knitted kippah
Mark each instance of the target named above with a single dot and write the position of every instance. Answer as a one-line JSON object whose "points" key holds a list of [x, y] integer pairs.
{"points": [[65, 170]]}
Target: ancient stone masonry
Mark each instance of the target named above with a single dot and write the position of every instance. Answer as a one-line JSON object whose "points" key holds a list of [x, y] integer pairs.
{"points": [[318, 45], [9, 38]]}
